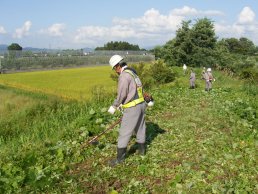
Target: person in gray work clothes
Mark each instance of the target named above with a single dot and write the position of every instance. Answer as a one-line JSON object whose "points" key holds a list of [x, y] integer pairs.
{"points": [[130, 99], [192, 79], [208, 79]]}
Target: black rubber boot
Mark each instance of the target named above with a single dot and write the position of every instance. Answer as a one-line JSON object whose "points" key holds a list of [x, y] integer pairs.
{"points": [[141, 148], [121, 153]]}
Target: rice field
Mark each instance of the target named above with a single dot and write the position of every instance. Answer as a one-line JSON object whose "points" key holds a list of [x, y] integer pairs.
{"points": [[78, 83]]}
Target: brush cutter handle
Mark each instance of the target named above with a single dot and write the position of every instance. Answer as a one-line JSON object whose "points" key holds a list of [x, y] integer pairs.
{"points": [[103, 132]]}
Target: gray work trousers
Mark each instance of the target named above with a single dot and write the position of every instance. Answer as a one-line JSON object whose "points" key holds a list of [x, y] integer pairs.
{"points": [[208, 85], [133, 121], [192, 83]]}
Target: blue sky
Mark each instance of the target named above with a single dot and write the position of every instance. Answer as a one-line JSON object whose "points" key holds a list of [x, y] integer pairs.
{"points": [[67, 24]]}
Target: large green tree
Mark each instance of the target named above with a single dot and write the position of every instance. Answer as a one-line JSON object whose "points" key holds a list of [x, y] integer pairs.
{"points": [[14, 47], [192, 45], [222, 55], [14, 50], [242, 46], [182, 48], [204, 41]]}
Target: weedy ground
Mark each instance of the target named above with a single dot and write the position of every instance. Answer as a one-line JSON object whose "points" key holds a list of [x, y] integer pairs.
{"points": [[197, 142]]}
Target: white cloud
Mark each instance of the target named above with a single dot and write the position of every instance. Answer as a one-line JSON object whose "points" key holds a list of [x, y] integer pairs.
{"points": [[152, 28], [185, 11], [54, 30], [246, 16], [91, 31], [155, 28], [152, 25], [2, 30], [23, 31], [188, 11], [229, 30], [151, 22], [245, 26], [91, 34]]}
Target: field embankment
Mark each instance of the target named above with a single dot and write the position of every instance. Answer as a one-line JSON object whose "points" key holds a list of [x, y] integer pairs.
{"points": [[198, 142]]}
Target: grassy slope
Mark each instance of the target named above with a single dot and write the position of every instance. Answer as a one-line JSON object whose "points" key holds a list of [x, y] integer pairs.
{"points": [[12, 102], [197, 143]]}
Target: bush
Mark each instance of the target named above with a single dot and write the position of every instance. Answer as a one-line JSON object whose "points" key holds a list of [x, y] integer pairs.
{"points": [[151, 74], [144, 72], [250, 74], [162, 73]]}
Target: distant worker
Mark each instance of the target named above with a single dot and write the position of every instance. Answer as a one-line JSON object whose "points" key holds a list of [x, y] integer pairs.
{"points": [[184, 68], [203, 70], [208, 79], [192, 79], [130, 99]]}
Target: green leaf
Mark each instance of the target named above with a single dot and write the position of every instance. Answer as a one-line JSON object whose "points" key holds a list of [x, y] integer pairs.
{"points": [[92, 112]]}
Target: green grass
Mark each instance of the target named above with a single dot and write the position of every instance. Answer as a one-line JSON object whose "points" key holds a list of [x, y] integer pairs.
{"points": [[198, 142]]}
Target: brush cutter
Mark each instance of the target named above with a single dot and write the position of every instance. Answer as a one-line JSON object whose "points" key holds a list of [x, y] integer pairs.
{"points": [[93, 140]]}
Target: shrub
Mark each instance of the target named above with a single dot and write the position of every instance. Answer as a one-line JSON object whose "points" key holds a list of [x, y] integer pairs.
{"points": [[144, 72], [151, 74], [250, 74], [162, 73]]}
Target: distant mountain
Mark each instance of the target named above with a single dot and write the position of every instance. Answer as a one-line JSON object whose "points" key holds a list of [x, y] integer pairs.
{"points": [[32, 49], [88, 49], [3, 49]]}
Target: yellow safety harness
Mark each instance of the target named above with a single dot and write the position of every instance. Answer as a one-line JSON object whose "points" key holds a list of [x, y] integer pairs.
{"points": [[140, 98]]}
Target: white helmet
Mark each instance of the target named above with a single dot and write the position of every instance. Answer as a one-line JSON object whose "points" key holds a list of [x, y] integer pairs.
{"points": [[114, 60], [209, 69]]}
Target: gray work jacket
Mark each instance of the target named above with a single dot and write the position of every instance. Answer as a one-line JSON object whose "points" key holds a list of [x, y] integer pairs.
{"points": [[126, 90]]}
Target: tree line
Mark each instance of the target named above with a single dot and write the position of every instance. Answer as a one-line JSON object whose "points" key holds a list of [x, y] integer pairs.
{"points": [[119, 45], [198, 46]]}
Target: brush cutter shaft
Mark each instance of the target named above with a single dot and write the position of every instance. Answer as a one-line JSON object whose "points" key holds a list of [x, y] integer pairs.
{"points": [[103, 132]]}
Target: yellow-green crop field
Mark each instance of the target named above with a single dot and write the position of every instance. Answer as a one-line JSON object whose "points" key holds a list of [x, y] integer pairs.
{"points": [[78, 83]]}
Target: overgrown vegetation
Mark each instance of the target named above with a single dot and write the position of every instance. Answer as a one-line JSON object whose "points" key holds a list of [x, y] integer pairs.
{"points": [[151, 74], [198, 142]]}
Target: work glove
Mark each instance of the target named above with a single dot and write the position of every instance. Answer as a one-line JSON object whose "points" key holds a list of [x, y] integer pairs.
{"points": [[148, 99], [151, 103], [111, 110]]}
